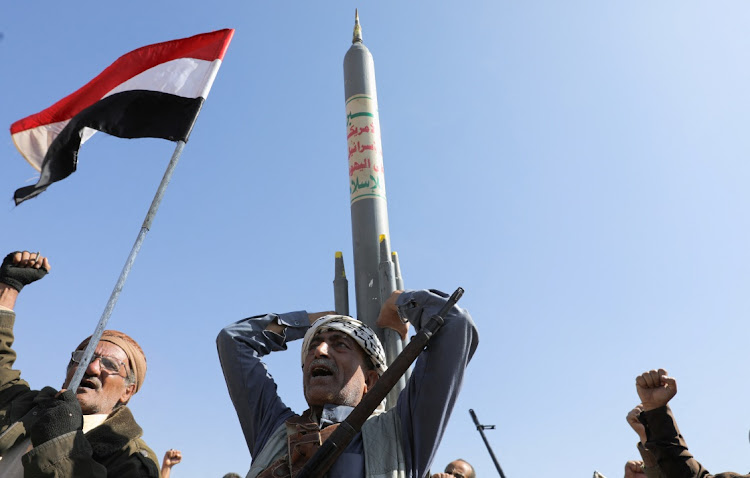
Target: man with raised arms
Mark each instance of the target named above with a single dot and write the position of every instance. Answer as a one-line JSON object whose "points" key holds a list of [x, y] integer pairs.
{"points": [[341, 360]]}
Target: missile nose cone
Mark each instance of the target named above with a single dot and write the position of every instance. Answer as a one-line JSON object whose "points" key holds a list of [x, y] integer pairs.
{"points": [[357, 36]]}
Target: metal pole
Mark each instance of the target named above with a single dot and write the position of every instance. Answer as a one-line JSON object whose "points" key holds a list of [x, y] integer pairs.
{"points": [[89, 352], [369, 210], [480, 429]]}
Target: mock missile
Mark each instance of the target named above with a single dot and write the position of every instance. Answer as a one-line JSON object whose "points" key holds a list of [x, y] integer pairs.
{"points": [[367, 196], [397, 271], [340, 286]]}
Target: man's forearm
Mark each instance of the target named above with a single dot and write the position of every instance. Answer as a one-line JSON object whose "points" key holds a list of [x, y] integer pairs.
{"points": [[252, 390], [9, 377], [8, 296], [650, 467], [666, 443], [423, 401]]}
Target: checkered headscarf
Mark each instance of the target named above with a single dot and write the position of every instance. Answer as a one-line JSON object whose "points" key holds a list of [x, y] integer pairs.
{"points": [[362, 334]]}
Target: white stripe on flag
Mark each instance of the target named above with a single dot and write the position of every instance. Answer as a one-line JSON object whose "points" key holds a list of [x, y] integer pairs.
{"points": [[34, 143], [186, 77]]}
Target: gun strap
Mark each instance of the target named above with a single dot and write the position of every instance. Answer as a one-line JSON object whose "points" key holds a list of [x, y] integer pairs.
{"points": [[303, 440]]}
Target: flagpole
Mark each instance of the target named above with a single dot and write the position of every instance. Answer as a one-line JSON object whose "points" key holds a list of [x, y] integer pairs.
{"points": [[89, 352]]}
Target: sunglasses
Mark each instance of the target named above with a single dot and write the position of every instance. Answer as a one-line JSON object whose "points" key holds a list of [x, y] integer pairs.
{"points": [[110, 364]]}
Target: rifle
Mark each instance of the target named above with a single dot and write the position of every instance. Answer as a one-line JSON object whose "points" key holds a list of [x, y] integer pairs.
{"points": [[329, 451], [481, 429]]}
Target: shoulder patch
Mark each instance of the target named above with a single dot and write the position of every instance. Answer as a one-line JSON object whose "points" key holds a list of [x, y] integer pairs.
{"points": [[147, 458]]}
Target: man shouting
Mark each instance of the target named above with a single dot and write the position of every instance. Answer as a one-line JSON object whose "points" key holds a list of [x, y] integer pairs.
{"points": [[341, 360]]}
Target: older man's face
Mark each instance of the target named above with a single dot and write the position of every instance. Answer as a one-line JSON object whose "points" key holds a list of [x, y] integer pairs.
{"points": [[335, 371], [101, 388]]}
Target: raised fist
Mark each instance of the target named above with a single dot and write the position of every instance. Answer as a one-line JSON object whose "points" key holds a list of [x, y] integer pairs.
{"points": [[171, 458], [22, 268], [634, 469], [655, 388]]}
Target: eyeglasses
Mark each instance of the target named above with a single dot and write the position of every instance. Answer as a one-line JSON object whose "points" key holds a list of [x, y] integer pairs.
{"points": [[110, 364]]}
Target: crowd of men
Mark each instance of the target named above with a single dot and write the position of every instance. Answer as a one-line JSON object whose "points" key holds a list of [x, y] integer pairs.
{"points": [[90, 432]]}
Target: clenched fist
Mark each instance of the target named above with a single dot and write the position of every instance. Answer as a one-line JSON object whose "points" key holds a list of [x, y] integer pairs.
{"points": [[655, 388]]}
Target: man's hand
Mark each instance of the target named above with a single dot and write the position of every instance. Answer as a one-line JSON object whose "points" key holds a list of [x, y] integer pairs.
{"points": [[312, 317], [634, 469], [655, 388], [442, 475], [22, 268], [58, 416], [635, 424], [171, 458], [389, 318]]}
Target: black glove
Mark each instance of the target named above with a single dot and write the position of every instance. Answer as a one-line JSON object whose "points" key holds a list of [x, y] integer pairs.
{"points": [[17, 277], [57, 417]]}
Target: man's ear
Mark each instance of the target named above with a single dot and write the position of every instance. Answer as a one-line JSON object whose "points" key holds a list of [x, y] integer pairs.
{"points": [[127, 393], [371, 376]]}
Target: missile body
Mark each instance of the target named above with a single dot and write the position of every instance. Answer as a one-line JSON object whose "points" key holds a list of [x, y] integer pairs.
{"points": [[369, 209]]}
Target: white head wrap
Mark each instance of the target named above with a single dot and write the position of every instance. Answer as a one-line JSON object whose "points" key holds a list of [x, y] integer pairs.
{"points": [[361, 333]]}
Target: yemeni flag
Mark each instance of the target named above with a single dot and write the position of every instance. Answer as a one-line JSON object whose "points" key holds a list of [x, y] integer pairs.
{"points": [[153, 92]]}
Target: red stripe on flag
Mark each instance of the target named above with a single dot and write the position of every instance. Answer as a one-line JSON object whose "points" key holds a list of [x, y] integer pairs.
{"points": [[207, 46]]}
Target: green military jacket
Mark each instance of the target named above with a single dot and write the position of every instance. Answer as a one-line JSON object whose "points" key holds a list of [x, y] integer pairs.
{"points": [[113, 449]]}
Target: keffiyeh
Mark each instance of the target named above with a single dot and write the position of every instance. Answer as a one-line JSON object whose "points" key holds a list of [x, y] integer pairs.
{"points": [[361, 333]]}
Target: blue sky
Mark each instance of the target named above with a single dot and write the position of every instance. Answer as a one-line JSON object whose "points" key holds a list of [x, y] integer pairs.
{"points": [[578, 167]]}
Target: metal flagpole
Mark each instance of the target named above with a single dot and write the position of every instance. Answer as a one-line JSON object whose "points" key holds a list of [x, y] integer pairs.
{"points": [[89, 352], [481, 429]]}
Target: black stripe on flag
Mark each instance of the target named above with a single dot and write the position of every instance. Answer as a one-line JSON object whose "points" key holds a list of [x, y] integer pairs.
{"points": [[129, 114]]}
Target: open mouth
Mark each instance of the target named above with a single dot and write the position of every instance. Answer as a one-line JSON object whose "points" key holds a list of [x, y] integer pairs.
{"points": [[321, 371], [90, 384], [322, 368]]}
